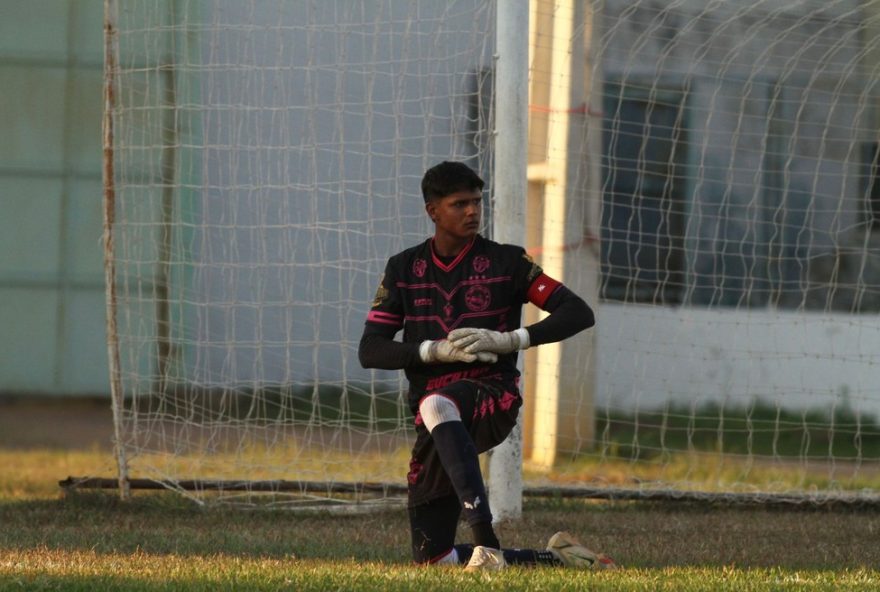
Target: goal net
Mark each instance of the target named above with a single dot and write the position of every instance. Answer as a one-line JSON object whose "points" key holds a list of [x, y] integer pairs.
{"points": [[267, 160], [703, 173]]}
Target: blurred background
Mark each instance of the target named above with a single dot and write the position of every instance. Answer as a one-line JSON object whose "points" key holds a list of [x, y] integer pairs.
{"points": [[708, 179], [51, 263]]}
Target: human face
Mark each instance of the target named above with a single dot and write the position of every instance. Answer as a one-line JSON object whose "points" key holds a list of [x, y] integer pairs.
{"points": [[456, 216]]}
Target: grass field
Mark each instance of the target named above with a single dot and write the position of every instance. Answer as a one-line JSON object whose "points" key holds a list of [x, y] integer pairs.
{"points": [[92, 541]]}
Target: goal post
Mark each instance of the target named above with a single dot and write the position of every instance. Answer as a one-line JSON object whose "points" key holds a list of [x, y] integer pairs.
{"points": [[705, 174], [561, 376], [509, 211]]}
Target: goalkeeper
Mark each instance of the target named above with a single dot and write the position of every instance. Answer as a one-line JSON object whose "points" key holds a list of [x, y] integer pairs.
{"points": [[458, 298]]}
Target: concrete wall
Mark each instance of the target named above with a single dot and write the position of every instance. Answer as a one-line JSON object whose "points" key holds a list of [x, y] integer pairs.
{"points": [[297, 161], [649, 356], [51, 267], [777, 104], [51, 282]]}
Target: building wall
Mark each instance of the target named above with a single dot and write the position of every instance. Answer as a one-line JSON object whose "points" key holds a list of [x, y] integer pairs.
{"points": [[776, 294], [51, 275], [51, 279], [52, 303], [772, 126]]}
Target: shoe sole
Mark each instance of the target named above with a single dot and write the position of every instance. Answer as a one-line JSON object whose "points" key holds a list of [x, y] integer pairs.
{"points": [[566, 547]]}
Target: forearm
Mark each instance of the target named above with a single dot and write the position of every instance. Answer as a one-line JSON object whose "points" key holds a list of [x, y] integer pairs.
{"points": [[380, 351], [569, 314]]}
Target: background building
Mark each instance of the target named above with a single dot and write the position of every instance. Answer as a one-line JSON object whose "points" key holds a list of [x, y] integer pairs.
{"points": [[51, 263], [732, 129]]}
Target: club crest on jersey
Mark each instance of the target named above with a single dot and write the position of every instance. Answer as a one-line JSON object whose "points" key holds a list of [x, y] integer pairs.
{"points": [[419, 266], [480, 263], [478, 297]]}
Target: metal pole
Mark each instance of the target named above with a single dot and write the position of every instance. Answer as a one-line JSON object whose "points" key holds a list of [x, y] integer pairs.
{"points": [[508, 211], [116, 392]]}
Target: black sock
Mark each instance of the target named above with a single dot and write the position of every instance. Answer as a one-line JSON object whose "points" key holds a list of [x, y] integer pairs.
{"points": [[530, 557], [484, 535], [459, 458], [524, 557]]}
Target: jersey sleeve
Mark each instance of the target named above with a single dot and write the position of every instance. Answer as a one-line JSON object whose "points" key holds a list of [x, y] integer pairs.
{"points": [[377, 348], [387, 308], [537, 287], [569, 313]]}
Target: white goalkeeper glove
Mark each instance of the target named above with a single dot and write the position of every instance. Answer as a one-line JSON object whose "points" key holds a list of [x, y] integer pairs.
{"points": [[442, 352], [475, 341]]}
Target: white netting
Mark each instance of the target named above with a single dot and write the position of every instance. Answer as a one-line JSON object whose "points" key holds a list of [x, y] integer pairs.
{"points": [[268, 157], [704, 173], [739, 275]]}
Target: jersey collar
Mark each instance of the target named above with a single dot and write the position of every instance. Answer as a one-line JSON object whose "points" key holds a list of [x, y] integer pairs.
{"points": [[439, 263]]}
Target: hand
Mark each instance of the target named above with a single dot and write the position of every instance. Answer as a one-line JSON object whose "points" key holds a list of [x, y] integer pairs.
{"points": [[444, 352], [475, 341]]}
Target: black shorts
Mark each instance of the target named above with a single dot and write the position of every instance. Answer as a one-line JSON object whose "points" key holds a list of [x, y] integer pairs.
{"points": [[488, 409]]}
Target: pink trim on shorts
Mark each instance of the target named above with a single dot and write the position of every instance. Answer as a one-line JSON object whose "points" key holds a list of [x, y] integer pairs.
{"points": [[488, 405]]}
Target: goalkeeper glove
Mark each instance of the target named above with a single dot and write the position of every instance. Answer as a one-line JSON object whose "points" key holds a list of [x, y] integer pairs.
{"points": [[474, 341], [443, 352]]}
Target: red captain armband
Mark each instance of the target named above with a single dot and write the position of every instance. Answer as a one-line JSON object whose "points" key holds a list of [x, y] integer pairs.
{"points": [[541, 289]]}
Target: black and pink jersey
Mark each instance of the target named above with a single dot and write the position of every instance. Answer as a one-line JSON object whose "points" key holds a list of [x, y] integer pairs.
{"points": [[427, 296]]}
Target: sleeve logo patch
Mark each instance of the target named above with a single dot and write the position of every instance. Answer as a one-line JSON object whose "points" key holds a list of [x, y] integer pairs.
{"points": [[381, 293], [535, 269]]}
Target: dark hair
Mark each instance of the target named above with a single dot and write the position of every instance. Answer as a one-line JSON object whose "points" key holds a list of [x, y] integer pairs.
{"points": [[447, 178]]}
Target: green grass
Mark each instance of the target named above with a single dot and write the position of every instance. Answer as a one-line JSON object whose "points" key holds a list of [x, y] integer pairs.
{"points": [[93, 541], [759, 429], [380, 406], [91, 571], [707, 447]]}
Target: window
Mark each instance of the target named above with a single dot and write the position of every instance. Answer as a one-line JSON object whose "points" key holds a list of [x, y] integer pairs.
{"points": [[871, 184], [642, 257]]}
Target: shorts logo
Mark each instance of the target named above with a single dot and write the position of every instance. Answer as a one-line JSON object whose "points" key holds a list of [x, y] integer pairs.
{"points": [[481, 263], [419, 267], [477, 298], [472, 506]]}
